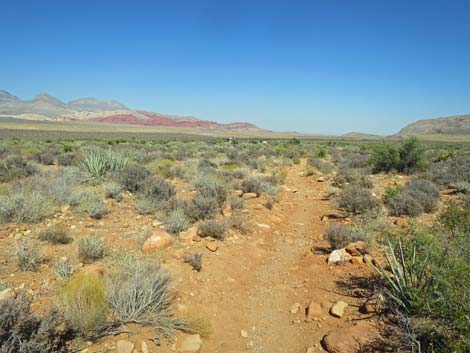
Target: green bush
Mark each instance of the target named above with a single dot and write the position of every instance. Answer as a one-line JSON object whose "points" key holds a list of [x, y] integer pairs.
{"points": [[357, 200], [56, 234], [28, 255], [405, 158], [84, 304], [91, 249]]}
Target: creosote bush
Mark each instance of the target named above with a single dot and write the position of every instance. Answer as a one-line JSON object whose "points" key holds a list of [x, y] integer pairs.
{"points": [[55, 234], [91, 249], [339, 235], [84, 304]]}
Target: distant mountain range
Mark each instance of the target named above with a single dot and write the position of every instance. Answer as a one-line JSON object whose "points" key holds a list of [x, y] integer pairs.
{"points": [[47, 107]]}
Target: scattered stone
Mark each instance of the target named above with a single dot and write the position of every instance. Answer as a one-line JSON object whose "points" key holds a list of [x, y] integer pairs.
{"points": [[212, 246], [337, 310], [244, 333], [295, 308], [314, 311], [8, 293], [352, 339], [249, 195], [276, 219], [311, 349], [144, 348], [402, 222], [158, 241], [339, 256], [321, 179], [357, 260], [238, 193], [368, 259], [227, 211], [358, 248], [187, 236], [124, 347], [181, 310], [178, 254], [190, 344]]}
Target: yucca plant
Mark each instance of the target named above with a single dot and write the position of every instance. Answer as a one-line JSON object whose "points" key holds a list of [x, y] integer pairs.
{"points": [[97, 164], [407, 279]]}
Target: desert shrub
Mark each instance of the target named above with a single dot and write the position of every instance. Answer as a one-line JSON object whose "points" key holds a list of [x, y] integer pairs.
{"points": [[66, 159], [132, 177], [425, 192], [23, 332], [260, 184], [427, 290], [416, 197], [404, 204], [236, 203], [139, 292], [112, 190], [320, 165], [194, 259], [238, 221], [339, 235], [28, 255], [391, 191], [24, 206], [91, 249], [157, 189], [63, 268], [356, 177], [56, 234], [451, 171], [44, 157], [357, 200], [84, 304], [176, 222], [212, 228], [405, 158], [456, 219], [146, 206], [211, 188], [204, 207], [462, 187], [90, 203], [15, 167]]}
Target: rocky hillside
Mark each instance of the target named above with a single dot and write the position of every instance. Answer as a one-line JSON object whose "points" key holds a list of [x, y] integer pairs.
{"points": [[46, 107], [451, 125]]}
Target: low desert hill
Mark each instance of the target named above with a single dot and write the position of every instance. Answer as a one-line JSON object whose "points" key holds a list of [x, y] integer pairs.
{"points": [[451, 125]]}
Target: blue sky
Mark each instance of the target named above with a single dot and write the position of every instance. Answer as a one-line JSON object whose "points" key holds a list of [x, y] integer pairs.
{"points": [[311, 66]]}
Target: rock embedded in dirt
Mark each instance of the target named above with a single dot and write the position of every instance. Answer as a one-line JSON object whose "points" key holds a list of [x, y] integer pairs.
{"points": [[294, 309], [337, 310], [187, 236], [158, 241], [339, 256], [190, 344], [212, 246], [357, 260], [8, 293], [314, 311], [227, 211], [144, 348], [181, 310], [124, 347], [353, 339], [244, 333], [249, 195], [321, 179], [358, 248], [238, 193]]}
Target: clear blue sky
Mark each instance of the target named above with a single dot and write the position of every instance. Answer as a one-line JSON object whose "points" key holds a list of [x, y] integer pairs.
{"points": [[312, 66]]}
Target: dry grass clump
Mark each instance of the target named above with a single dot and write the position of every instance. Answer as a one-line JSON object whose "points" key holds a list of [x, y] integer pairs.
{"points": [[212, 228], [91, 249], [84, 304], [90, 203], [112, 190], [55, 234], [176, 222], [357, 200], [194, 259], [28, 255], [24, 205], [63, 268]]}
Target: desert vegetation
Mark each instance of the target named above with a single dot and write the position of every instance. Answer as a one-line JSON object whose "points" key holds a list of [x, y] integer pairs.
{"points": [[102, 221]]}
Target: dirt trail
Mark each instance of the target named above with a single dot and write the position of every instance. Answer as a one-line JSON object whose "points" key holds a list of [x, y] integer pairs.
{"points": [[249, 285]]}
